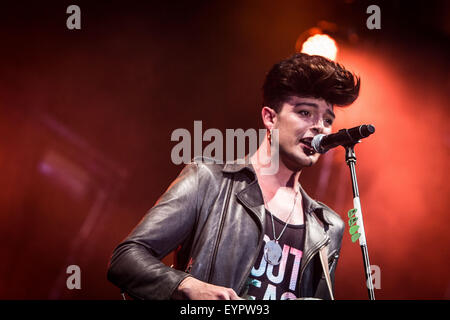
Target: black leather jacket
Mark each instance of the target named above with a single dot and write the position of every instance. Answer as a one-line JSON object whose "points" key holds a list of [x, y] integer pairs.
{"points": [[213, 216]]}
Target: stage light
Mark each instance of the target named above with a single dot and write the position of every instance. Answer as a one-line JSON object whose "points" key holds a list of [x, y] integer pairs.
{"points": [[322, 45], [317, 40]]}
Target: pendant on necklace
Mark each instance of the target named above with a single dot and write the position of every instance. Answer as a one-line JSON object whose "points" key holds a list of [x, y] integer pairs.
{"points": [[272, 252]]}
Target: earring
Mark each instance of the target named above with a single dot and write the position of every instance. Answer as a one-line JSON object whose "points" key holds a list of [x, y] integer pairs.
{"points": [[269, 136]]}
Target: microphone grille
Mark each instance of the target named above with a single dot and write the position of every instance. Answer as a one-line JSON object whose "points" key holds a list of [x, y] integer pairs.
{"points": [[366, 130], [315, 143]]}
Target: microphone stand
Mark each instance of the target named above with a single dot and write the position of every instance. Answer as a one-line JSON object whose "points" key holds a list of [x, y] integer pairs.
{"points": [[350, 158]]}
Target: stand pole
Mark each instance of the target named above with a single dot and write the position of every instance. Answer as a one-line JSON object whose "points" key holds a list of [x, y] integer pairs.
{"points": [[350, 158]]}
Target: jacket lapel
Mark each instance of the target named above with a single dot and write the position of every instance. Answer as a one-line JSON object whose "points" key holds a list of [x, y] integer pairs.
{"points": [[251, 196], [252, 199], [316, 225]]}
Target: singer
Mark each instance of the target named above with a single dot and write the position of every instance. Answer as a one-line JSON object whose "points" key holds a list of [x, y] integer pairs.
{"points": [[239, 233]]}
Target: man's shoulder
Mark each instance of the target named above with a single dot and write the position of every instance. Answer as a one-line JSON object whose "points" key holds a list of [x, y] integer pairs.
{"points": [[210, 165], [208, 170], [220, 167]]}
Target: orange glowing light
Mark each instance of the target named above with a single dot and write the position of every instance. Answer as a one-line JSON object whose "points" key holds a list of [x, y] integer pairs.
{"points": [[321, 45]]}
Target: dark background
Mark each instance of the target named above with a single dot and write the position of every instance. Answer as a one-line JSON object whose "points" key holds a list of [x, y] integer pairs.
{"points": [[86, 118]]}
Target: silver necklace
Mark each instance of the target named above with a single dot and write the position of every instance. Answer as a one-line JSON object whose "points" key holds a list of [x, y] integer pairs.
{"points": [[272, 250]]}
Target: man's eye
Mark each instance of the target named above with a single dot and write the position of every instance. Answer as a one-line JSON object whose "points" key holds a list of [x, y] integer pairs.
{"points": [[304, 113]]}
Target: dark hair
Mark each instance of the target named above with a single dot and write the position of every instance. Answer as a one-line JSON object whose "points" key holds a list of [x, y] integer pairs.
{"points": [[309, 76]]}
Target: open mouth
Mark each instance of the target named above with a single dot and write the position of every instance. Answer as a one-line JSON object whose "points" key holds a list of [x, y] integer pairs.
{"points": [[306, 145]]}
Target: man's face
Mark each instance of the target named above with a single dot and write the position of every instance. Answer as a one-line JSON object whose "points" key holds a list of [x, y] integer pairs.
{"points": [[298, 121]]}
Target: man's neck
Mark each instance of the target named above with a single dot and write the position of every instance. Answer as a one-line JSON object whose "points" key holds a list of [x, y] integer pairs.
{"points": [[281, 189], [282, 178]]}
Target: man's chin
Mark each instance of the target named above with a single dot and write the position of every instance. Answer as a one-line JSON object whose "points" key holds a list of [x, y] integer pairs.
{"points": [[309, 161], [300, 162]]}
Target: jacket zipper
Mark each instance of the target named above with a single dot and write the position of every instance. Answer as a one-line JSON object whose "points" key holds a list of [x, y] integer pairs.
{"points": [[222, 222]]}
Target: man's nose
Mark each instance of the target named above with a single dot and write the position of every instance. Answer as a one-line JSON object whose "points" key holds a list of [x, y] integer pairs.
{"points": [[317, 128]]}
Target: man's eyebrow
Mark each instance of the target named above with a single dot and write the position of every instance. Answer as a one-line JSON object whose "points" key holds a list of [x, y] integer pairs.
{"points": [[311, 104], [331, 113]]}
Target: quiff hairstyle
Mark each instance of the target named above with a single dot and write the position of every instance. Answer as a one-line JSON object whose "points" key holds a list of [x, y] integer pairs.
{"points": [[309, 76]]}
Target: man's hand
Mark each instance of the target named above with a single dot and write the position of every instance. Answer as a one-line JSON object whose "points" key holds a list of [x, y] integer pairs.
{"points": [[193, 289]]}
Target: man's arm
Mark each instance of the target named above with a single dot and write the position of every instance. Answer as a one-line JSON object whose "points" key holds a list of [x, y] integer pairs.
{"points": [[135, 265]]}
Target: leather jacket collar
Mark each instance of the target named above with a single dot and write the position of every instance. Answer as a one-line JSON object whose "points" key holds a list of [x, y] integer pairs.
{"points": [[255, 199]]}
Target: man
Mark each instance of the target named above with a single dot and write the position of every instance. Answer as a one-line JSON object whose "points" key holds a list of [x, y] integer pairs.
{"points": [[239, 232]]}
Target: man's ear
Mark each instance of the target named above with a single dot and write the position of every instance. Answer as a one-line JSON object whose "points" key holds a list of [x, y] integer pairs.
{"points": [[269, 117]]}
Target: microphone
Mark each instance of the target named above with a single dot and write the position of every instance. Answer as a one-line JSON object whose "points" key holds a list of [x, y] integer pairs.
{"points": [[322, 143]]}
